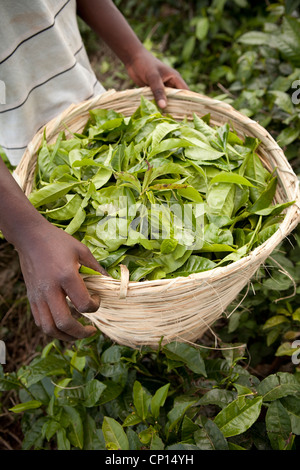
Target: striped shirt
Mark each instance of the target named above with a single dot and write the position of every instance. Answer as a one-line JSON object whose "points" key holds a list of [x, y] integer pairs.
{"points": [[44, 68]]}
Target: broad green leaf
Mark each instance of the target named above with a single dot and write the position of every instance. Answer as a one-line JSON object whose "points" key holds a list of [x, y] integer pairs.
{"points": [[215, 235], [188, 428], [158, 399], [111, 392], [274, 209], [76, 423], [114, 434], [92, 392], [46, 161], [50, 428], [93, 436], [229, 177], [238, 416], [195, 264], [218, 397], [278, 425], [254, 38], [61, 385], [141, 400], [190, 193], [129, 180], [202, 153], [220, 199], [27, 405], [34, 438], [216, 248], [288, 42], [274, 321], [186, 354], [292, 405], [143, 271], [265, 198], [171, 261], [161, 131], [147, 107], [257, 174], [278, 385], [287, 136], [282, 100], [157, 443], [67, 211], [50, 193], [202, 27], [286, 349], [203, 127], [296, 314], [77, 221], [168, 144], [194, 136], [166, 169], [188, 48], [176, 414], [209, 437], [168, 245], [42, 367], [61, 173], [101, 177], [132, 420]]}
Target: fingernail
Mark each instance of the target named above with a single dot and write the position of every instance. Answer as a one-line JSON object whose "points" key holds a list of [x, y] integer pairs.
{"points": [[162, 103]]}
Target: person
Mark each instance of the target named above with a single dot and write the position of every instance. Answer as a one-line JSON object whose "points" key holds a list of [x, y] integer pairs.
{"points": [[45, 68]]}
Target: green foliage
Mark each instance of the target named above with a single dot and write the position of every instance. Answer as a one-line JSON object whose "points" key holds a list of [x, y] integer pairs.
{"points": [[162, 197], [246, 53], [96, 395], [271, 328]]}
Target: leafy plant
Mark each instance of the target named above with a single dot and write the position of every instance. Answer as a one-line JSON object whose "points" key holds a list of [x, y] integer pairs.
{"points": [[165, 198], [255, 362], [96, 395]]}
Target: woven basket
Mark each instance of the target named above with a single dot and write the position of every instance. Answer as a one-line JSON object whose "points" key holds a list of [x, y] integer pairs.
{"points": [[181, 309]]}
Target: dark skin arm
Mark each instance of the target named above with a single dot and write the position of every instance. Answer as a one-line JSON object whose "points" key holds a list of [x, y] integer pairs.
{"points": [[50, 261], [144, 69], [49, 257]]}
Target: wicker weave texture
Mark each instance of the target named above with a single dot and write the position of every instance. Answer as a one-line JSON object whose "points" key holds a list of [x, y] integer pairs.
{"points": [[181, 309]]}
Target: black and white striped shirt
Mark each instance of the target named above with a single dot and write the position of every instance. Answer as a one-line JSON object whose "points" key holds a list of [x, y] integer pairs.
{"points": [[43, 68]]}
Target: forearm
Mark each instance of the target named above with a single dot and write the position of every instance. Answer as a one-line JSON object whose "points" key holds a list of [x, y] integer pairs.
{"points": [[109, 23], [17, 215]]}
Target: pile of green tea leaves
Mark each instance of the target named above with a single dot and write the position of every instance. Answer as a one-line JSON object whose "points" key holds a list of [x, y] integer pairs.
{"points": [[163, 197]]}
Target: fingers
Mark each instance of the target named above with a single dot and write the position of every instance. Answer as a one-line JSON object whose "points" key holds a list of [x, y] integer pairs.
{"points": [[65, 322], [165, 77], [44, 319], [87, 259], [157, 86], [146, 70], [51, 310], [75, 288], [176, 81]]}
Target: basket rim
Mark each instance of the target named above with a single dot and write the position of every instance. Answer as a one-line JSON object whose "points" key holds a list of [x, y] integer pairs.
{"points": [[292, 214]]}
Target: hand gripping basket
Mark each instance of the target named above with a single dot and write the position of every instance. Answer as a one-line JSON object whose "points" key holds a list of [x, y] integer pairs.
{"points": [[181, 309]]}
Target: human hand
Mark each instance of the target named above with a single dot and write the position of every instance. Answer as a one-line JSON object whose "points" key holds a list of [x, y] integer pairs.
{"points": [[147, 70], [50, 260]]}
